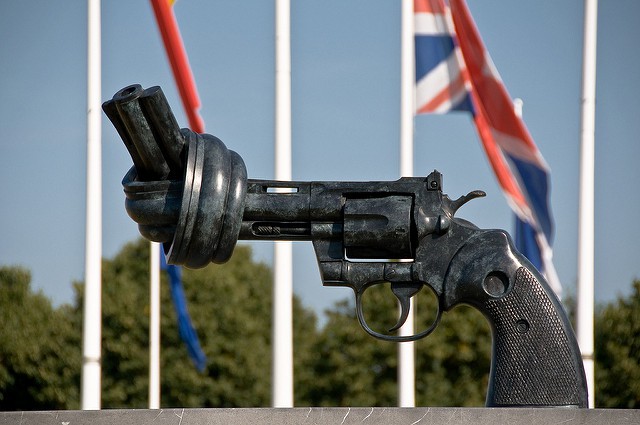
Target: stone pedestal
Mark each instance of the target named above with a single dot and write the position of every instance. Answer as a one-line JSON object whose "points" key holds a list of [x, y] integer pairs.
{"points": [[321, 416]]}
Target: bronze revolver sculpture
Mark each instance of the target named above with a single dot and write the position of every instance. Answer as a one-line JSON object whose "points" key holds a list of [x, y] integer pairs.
{"points": [[191, 193]]}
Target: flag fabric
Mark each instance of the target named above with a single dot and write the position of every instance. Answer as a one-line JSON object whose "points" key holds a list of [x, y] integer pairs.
{"points": [[179, 61], [441, 81], [185, 328], [454, 72]]}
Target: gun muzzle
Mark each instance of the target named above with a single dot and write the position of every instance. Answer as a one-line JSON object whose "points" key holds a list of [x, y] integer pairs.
{"points": [[149, 130], [185, 189]]}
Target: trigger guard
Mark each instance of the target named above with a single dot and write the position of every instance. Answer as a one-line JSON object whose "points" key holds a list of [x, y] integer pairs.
{"points": [[394, 338]]}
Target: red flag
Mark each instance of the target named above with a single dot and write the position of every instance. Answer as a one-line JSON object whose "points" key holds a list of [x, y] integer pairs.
{"points": [[179, 63]]}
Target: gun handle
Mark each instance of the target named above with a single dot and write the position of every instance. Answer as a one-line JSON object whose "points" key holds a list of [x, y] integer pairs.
{"points": [[535, 357]]}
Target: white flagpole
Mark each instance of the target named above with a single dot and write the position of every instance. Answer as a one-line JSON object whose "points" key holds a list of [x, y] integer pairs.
{"points": [[282, 384], [154, 326], [585, 293], [406, 350], [92, 314]]}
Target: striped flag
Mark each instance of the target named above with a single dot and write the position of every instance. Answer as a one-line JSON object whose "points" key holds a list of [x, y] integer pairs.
{"points": [[442, 83], [454, 72]]}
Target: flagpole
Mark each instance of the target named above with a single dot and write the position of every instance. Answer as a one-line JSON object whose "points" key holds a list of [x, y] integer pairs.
{"points": [[406, 350], [92, 314], [282, 380], [585, 291], [154, 326]]}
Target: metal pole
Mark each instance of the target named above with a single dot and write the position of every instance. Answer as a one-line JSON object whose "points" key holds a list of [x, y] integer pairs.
{"points": [[406, 350], [92, 314], [282, 255], [585, 295], [154, 326]]}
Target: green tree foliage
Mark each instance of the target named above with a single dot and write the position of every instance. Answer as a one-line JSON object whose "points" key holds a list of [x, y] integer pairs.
{"points": [[353, 369], [230, 307], [617, 351], [39, 356]]}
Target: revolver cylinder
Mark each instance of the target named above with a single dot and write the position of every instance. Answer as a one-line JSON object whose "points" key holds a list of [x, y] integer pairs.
{"points": [[373, 227]]}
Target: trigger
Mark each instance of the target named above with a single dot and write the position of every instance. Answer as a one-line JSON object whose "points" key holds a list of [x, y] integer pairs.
{"points": [[404, 292]]}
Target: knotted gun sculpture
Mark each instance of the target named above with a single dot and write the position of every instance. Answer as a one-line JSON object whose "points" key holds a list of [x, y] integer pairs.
{"points": [[191, 193]]}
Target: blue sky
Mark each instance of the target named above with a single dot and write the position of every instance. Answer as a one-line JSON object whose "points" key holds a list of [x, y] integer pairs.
{"points": [[345, 88]]}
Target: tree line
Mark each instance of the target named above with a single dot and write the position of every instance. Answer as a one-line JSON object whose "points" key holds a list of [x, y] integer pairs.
{"points": [[336, 364]]}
